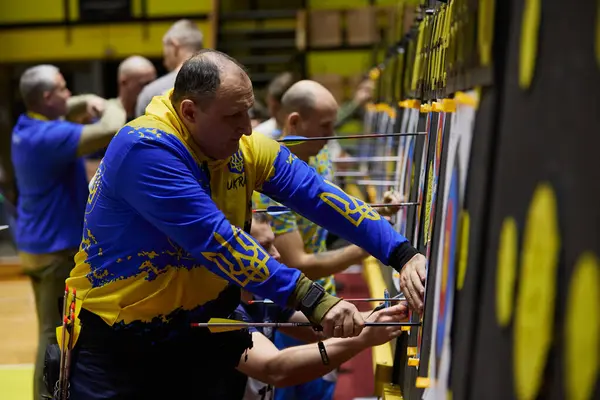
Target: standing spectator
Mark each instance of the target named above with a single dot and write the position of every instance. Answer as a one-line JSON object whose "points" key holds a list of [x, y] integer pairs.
{"points": [[47, 158]]}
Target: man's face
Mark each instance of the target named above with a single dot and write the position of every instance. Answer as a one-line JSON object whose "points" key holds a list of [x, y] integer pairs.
{"points": [[55, 100], [170, 55], [318, 122], [134, 82], [263, 234], [219, 123], [273, 106]]}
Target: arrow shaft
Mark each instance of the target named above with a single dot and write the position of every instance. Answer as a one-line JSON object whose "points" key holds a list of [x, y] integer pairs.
{"points": [[365, 136], [352, 300], [285, 324], [376, 205], [368, 300]]}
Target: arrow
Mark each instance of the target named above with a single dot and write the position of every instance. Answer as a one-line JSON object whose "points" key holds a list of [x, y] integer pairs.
{"points": [[295, 140], [283, 209], [219, 325], [3, 227], [267, 301]]}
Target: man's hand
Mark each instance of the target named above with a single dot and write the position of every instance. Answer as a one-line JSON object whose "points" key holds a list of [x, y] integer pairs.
{"points": [[412, 280], [374, 336], [390, 196], [342, 320], [95, 106], [364, 92]]}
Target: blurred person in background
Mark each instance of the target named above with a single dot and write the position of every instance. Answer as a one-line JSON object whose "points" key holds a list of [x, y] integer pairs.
{"points": [[8, 192], [258, 114], [52, 187], [133, 74], [282, 82], [350, 109], [181, 41], [275, 90]]}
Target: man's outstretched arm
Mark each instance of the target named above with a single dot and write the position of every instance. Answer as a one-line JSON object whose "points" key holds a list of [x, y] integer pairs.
{"points": [[290, 245], [290, 181], [316, 265], [300, 364]]}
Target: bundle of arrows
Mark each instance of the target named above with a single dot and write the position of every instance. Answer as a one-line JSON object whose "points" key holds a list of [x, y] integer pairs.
{"points": [[219, 325], [61, 388]]}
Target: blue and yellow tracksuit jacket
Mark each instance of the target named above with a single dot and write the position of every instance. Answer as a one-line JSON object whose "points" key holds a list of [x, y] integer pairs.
{"points": [[162, 236]]}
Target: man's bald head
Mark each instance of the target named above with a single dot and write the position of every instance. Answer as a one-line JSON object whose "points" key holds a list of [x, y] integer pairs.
{"points": [[212, 95], [134, 73], [310, 110], [304, 96], [134, 65]]}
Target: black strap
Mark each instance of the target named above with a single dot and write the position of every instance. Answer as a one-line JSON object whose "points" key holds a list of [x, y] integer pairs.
{"points": [[311, 299]]}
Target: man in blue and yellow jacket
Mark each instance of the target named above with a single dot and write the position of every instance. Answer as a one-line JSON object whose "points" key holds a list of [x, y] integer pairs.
{"points": [[162, 245]]}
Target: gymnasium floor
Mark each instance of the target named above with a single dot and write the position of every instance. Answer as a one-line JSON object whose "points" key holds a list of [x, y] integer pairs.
{"points": [[18, 337]]}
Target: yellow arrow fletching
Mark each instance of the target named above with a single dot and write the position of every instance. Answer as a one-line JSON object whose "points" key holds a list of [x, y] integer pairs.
{"points": [[219, 325], [292, 140]]}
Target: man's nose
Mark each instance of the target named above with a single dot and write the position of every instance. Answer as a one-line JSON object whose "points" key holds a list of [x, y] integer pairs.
{"points": [[246, 125]]}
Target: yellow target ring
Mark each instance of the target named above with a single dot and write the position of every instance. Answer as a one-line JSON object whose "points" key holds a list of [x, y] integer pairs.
{"points": [[506, 271], [530, 27], [463, 249], [582, 329], [534, 317]]}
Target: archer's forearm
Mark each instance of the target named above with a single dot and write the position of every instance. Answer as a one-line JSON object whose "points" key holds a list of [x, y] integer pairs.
{"points": [[77, 105], [299, 187], [300, 364], [319, 265]]}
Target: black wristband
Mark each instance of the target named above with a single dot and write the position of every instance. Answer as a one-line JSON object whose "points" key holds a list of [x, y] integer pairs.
{"points": [[401, 255], [311, 299]]}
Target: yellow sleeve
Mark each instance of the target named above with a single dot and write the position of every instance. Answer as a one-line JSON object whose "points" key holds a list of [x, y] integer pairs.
{"points": [[263, 152]]}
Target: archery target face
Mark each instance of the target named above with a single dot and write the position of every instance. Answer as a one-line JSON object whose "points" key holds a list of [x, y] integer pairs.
{"points": [[448, 271]]}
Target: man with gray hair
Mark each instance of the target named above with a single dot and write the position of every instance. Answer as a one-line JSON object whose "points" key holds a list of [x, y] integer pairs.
{"points": [[47, 157], [181, 41]]}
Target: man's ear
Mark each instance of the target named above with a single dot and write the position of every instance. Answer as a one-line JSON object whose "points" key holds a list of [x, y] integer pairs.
{"points": [[175, 44], [46, 95], [293, 122], [188, 110]]}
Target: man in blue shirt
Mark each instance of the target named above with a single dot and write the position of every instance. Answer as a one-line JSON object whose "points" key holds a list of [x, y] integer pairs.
{"points": [[50, 174]]}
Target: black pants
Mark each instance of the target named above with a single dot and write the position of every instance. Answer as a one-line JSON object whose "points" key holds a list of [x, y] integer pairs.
{"points": [[195, 365]]}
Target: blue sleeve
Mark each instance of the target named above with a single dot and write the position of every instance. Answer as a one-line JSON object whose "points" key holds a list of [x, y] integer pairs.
{"points": [[293, 183], [154, 179], [61, 140]]}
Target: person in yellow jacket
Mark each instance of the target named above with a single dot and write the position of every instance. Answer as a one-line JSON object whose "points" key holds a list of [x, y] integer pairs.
{"points": [[163, 244]]}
